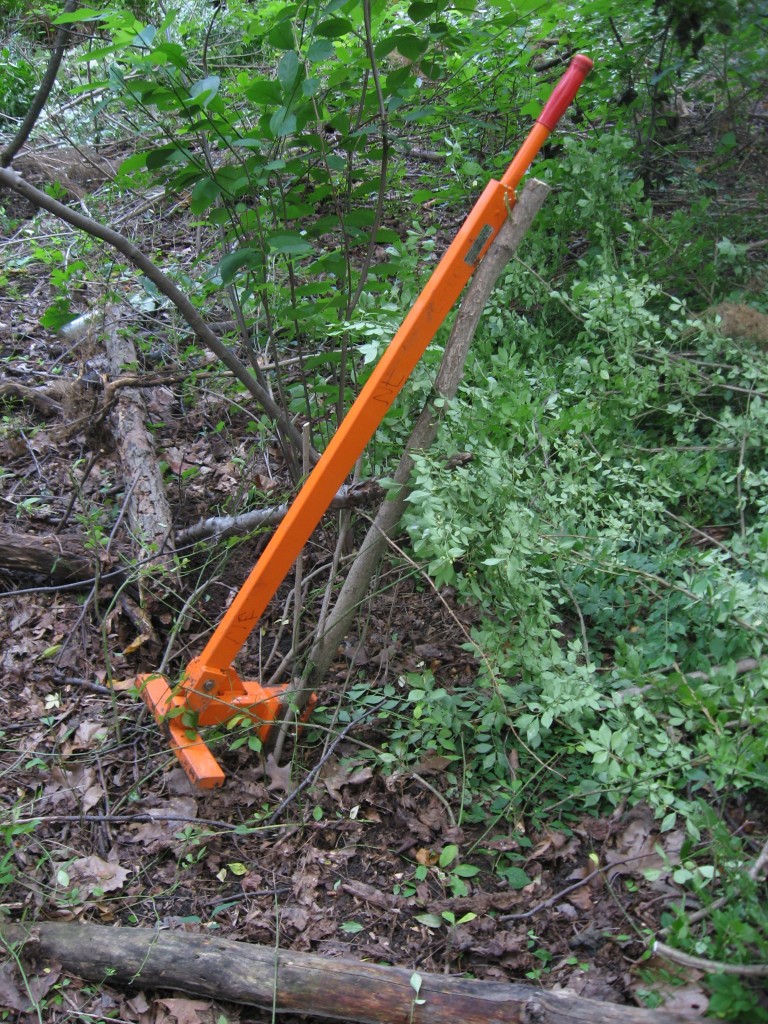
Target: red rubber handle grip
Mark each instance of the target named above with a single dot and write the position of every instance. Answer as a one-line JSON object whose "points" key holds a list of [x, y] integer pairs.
{"points": [[565, 91]]}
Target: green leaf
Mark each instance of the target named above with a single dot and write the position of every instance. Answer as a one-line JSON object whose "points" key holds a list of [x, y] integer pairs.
{"points": [[320, 49], [82, 14], [170, 53], [206, 88], [262, 90], [421, 11], [57, 315], [516, 877], [419, 114], [160, 157], [205, 192], [145, 38], [406, 43], [246, 257], [352, 927], [332, 28], [282, 123], [281, 35], [430, 920], [448, 855], [289, 243], [238, 869], [465, 870], [288, 71]]}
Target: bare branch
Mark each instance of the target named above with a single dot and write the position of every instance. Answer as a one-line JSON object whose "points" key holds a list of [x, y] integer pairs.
{"points": [[132, 253], [49, 78]]}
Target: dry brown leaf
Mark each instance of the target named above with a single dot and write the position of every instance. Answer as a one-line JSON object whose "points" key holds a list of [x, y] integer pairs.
{"points": [[94, 873], [689, 1000], [296, 918], [135, 644], [335, 775], [21, 996], [88, 734], [12, 994], [553, 846], [122, 684], [185, 1011], [432, 764], [279, 776], [71, 789], [92, 796], [168, 820], [580, 898], [636, 850]]}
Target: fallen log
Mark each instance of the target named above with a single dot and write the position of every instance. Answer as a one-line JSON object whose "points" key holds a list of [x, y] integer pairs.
{"points": [[282, 980], [40, 398], [149, 514], [61, 559]]}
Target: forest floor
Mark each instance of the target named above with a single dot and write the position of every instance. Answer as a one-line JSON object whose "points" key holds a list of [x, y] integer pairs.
{"points": [[352, 864]]}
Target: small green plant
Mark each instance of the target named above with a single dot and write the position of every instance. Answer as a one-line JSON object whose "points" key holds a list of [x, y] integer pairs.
{"points": [[12, 836], [544, 956], [416, 982], [453, 874]]}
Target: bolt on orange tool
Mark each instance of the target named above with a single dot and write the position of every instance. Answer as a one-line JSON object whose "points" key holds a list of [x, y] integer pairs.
{"points": [[211, 689]]}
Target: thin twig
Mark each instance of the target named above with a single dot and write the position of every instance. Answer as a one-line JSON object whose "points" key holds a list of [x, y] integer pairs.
{"points": [[698, 963]]}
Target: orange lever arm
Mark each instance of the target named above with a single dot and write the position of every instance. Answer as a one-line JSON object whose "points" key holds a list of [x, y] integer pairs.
{"points": [[382, 387]]}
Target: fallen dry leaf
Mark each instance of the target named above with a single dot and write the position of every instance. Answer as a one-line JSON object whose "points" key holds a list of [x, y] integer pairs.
{"points": [[138, 1003], [88, 735], [122, 684], [185, 1011], [135, 644], [335, 775], [94, 873], [279, 776], [634, 851], [74, 789], [580, 898], [22, 996], [553, 846]]}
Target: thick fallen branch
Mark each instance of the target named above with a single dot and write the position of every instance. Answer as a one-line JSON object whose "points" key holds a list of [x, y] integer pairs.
{"points": [[40, 398], [279, 980], [149, 514], [57, 558]]}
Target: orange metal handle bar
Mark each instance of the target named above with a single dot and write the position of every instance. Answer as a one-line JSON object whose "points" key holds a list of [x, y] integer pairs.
{"points": [[382, 387]]}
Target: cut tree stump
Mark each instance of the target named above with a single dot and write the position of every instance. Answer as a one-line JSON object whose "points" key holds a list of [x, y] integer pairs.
{"points": [[279, 980]]}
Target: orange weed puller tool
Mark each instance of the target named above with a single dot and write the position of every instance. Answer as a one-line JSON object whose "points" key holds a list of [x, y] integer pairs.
{"points": [[211, 688]]}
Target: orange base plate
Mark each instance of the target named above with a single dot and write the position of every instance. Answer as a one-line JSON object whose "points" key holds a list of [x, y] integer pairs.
{"points": [[260, 703]]}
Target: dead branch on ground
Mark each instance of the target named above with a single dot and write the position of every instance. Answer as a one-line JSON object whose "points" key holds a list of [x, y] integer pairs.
{"points": [[283, 980], [57, 558]]}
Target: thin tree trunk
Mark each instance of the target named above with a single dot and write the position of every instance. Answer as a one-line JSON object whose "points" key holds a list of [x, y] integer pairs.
{"points": [[358, 580], [279, 980]]}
